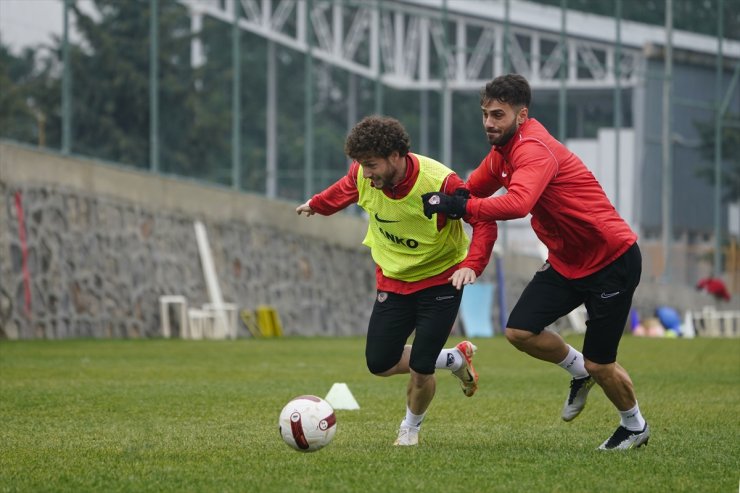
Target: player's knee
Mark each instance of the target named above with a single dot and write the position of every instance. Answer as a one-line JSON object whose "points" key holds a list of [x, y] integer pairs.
{"points": [[380, 367], [518, 338], [378, 370], [598, 370], [420, 380]]}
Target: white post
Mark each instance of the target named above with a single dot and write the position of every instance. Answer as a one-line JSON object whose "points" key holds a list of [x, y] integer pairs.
{"points": [[209, 272]]}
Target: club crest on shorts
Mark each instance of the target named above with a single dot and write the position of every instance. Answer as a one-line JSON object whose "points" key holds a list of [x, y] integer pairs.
{"points": [[434, 200], [382, 297]]}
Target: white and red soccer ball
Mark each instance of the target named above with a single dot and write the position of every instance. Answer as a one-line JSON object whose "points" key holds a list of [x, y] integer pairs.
{"points": [[307, 423]]}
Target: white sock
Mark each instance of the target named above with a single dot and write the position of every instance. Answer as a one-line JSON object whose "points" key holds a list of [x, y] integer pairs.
{"points": [[573, 363], [449, 359], [632, 419], [412, 419]]}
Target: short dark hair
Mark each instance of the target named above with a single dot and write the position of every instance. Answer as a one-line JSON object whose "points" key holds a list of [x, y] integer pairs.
{"points": [[512, 89], [377, 136]]}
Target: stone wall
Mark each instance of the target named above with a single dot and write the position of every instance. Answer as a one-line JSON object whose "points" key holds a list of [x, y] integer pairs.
{"points": [[103, 243]]}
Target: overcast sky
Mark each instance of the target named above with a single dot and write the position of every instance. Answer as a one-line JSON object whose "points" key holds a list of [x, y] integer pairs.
{"points": [[30, 22]]}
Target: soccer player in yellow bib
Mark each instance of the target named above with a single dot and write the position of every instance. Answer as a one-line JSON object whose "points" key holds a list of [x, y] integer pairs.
{"points": [[422, 264]]}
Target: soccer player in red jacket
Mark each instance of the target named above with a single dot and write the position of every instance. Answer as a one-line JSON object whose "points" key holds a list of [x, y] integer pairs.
{"points": [[593, 257], [421, 264]]}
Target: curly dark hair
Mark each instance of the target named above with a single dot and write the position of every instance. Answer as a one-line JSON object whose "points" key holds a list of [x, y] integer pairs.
{"points": [[377, 136], [510, 88]]}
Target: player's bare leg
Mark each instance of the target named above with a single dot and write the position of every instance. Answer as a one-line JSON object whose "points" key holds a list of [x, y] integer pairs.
{"points": [[633, 431], [421, 389], [549, 346], [616, 383], [420, 392], [419, 395]]}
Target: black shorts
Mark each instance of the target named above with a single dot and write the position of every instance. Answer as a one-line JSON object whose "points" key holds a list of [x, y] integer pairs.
{"points": [[607, 295], [431, 312]]}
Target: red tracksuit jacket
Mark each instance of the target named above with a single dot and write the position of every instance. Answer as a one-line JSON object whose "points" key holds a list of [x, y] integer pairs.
{"points": [[571, 214]]}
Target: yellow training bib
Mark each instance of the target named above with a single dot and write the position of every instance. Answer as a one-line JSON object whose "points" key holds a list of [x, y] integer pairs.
{"points": [[403, 242]]}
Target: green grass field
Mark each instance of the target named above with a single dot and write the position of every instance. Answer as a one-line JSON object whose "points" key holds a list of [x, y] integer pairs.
{"points": [[183, 416]]}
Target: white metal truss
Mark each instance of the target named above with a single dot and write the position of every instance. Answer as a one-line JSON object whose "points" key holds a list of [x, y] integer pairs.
{"points": [[408, 46]]}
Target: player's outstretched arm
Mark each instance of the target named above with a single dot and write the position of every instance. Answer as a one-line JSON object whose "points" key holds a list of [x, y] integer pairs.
{"points": [[338, 196], [305, 208]]}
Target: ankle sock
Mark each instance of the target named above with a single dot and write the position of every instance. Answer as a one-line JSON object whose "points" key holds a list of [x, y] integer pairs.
{"points": [[449, 359], [412, 419], [632, 419], [574, 363]]}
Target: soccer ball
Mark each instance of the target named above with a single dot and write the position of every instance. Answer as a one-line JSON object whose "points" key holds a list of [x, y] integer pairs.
{"points": [[307, 423]]}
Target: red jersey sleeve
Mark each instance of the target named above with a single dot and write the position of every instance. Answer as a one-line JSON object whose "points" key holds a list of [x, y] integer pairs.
{"points": [[535, 167], [339, 195], [483, 181], [484, 232]]}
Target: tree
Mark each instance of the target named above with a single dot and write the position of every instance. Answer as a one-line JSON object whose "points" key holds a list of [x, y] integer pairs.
{"points": [[110, 73], [29, 96]]}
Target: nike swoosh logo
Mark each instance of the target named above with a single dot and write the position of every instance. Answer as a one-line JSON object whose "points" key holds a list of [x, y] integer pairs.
{"points": [[384, 220], [503, 174], [609, 295]]}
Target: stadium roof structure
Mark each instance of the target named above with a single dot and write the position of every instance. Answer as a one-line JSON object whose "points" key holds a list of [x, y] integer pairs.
{"points": [[579, 24], [457, 44]]}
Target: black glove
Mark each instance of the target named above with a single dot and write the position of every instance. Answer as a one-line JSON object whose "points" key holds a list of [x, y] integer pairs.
{"points": [[451, 205]]}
